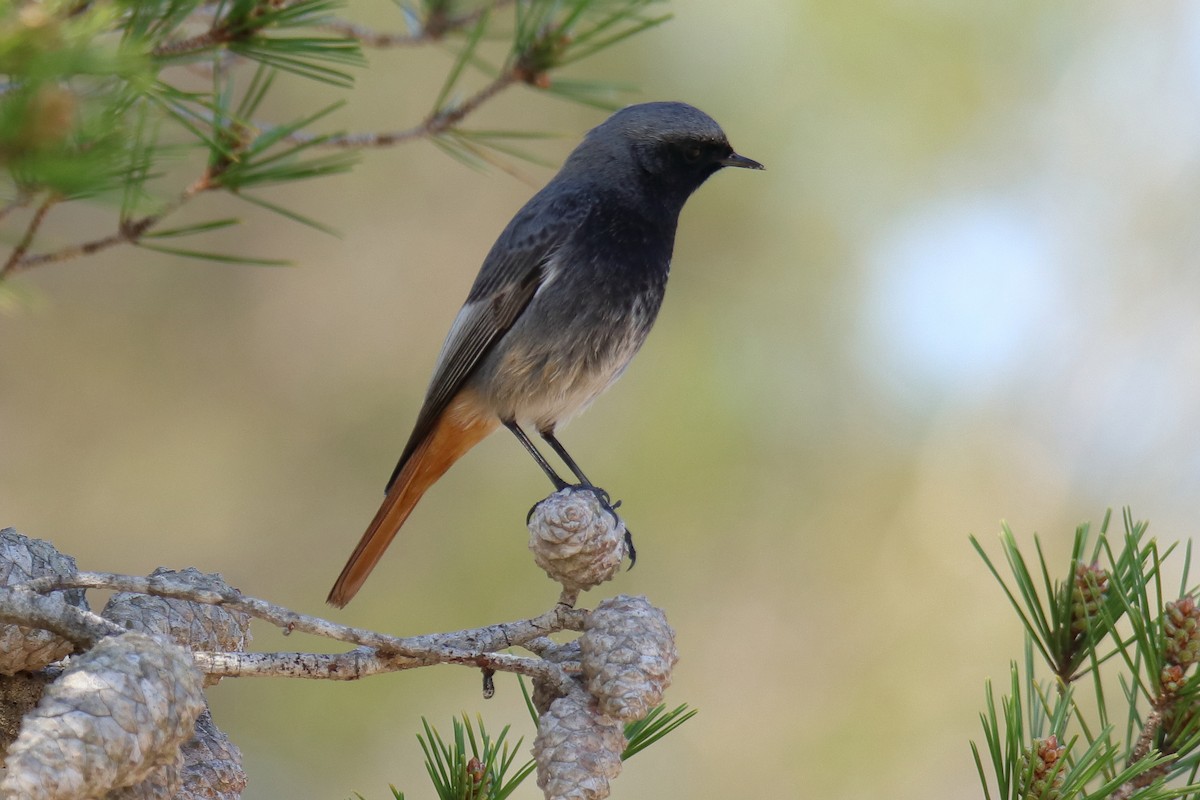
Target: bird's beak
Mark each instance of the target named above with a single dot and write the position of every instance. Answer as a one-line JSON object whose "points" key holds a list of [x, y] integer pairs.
{"points": [[734, 160]]}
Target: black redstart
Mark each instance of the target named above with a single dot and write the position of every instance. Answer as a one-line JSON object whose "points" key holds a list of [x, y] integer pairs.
{"points": [[561, 304]]}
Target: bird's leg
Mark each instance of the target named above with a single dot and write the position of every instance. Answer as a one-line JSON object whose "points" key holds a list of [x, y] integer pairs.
{"points": [[584, 483], [548, 435], [558, 482]]}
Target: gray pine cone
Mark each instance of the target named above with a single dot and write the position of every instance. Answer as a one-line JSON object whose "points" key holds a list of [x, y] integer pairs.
{"points": [[627, 654], [212, 764], [209, 767], [575, 539], [21, 559], [117, 713], [577, 750], [196, 626], [163, 783], [566, 655]]}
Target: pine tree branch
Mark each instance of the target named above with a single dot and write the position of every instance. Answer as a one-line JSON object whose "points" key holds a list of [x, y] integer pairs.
{"points": [[20, 605], [220, 33], [364, 662], [455, 646], [1141, 749], [128, 232], [131, 231], [215, 36], [432, 29], [546, 38], [18, 252], [437, 123]]}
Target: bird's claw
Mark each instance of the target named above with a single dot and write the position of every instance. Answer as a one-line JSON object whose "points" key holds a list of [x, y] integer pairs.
{"points": [[601, 494], [606, 502]]}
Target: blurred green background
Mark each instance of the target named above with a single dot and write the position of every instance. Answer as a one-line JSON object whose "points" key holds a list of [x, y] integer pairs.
{"points": [[965, 290]]}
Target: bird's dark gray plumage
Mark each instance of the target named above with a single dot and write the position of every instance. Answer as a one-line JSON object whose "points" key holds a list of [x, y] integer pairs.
{"points": [[563, 301]]}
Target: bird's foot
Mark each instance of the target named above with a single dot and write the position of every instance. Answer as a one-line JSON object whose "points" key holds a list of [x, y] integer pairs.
{"points": [[608, 505], [602, 495]]}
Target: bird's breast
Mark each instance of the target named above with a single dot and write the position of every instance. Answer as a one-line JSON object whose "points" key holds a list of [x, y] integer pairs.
{"points": [[575, 338]]}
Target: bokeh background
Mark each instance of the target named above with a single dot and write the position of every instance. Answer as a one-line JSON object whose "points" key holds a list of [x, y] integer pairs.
{"points": [[964, 291]]}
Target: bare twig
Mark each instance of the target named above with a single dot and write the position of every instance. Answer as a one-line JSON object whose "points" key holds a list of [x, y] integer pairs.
{"points": [[22, 606], [365, 662], [377, 652], [213, 37], [129, 231], [441, 647], [18, 252]]}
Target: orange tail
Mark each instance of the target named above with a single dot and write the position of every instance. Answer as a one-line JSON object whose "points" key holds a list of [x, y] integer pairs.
{"points": [[460, 427]]}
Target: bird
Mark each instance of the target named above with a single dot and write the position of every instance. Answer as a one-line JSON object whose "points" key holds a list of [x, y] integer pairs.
{"points": [[562, 302]]}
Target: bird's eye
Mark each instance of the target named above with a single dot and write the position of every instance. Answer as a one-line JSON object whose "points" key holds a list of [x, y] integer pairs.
{"points": [[692, 154]]}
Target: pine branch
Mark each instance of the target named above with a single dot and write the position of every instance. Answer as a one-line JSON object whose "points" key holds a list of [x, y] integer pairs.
{"points": [[1141, 750], [31, 229], [453, 645], [32, 609], [432, 29], [128, 232], [215, 36], [140, 665], [98, 115], [364, 662], [435, 124], [1112, 612]]}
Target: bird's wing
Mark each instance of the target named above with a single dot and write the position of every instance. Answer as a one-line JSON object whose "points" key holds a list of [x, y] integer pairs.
{"points": [[519, 263]]}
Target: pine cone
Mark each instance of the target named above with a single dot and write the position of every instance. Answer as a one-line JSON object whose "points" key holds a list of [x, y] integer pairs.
{"points": [[117, 713], [22, 559], [628, 652], [195, 626], [576, 538], [1044, 775], [1180, 630], [212, 764], [1170, 679], [577, 750], [209, 767], [163, 783], [566, 655]]}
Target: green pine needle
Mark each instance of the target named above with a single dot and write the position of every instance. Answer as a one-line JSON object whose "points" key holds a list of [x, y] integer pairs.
{"points": [[220, 258], [473, 766], [465, 56], [654, 726], [295, 216], [189, 230], [118, 111], [1123, 618]]}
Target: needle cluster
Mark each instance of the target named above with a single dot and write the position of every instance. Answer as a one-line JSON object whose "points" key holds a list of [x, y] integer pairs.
{"points": [[143, 107], [1105, 704]]}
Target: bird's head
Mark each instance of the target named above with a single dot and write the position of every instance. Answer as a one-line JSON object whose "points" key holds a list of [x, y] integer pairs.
{"points": [[671, 145]]}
